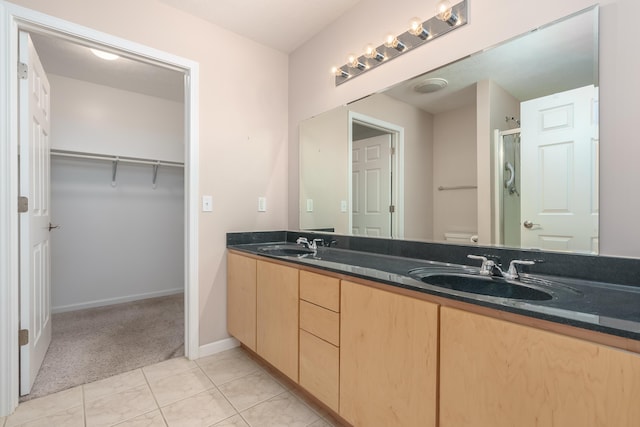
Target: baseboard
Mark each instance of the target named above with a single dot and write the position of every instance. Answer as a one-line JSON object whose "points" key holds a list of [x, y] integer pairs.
{"points": [[117, 300], [218, 346]]}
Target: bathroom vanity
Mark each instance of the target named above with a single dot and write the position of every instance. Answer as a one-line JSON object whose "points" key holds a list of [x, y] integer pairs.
{"points": [[360, 332]]}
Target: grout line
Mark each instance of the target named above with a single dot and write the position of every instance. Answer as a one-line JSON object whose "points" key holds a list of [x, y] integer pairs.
{"points": [[84, 407]]}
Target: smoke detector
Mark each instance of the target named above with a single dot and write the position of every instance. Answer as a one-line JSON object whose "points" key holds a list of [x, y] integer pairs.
{"points": [[430, 85]]}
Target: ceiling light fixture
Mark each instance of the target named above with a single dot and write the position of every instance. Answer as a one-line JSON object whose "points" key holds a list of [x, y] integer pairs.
{"points": [[104, 55], [448, 18]]}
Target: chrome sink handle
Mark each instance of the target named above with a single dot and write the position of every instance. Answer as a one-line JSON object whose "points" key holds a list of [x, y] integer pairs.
{"points": [[512, 273], [488, 265], [313, 245]]}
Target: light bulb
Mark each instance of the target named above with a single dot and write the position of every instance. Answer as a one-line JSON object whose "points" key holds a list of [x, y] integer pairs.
{"points": [[392, 41], [354, 62], [339, 72], [371, 53], [104, 55], [444, 12], [416, 28]]}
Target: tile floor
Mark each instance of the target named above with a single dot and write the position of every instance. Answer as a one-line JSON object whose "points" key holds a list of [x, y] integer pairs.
{"points": [[226, 389]]}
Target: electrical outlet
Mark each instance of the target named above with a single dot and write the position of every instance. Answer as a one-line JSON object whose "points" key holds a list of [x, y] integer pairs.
{"points": [[343, 205], [262, 204]]}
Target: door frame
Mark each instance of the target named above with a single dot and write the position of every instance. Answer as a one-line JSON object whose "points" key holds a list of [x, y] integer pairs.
{"points": [[397, 168], [14, 18]]}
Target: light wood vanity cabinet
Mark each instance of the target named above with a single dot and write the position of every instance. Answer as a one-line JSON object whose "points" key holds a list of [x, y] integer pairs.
{"points": [[388, 358], [277, 316], [497, 373], [320, 336], [241, 299]]}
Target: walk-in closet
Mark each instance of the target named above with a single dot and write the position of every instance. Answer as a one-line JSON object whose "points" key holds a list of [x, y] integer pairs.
{"points": [[117, 215]]}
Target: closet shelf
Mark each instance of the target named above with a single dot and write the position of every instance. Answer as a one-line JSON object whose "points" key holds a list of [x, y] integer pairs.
{"points": [[116, 160]]}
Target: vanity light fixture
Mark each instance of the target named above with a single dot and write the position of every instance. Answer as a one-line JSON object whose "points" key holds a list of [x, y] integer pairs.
{"points": [[417, 29], [104, 55], [448, 18], [444, 12], [354, 62], [371, 52], [339, 72], [392, 41]]}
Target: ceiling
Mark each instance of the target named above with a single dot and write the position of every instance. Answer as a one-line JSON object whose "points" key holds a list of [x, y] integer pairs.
{"points": [[281, 24]]}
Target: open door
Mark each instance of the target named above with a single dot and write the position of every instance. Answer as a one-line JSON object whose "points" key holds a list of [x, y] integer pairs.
{"points": [[559, 177], [35, 258]]}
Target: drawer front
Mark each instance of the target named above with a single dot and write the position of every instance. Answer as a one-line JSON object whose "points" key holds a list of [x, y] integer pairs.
{"points": [[319, 369], [320, 322], [320, 290]]}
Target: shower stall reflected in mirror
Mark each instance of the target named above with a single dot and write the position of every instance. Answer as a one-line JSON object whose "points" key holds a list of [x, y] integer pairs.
{"points": [[507, 186]]}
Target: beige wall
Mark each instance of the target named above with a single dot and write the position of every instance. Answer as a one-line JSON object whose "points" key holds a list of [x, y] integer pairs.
{"points": [[454, 163], [243, 124], [324, 152], [312, 90]]}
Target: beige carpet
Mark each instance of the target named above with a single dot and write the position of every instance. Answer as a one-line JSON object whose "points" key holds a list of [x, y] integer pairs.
{"points": [[96, 343]]}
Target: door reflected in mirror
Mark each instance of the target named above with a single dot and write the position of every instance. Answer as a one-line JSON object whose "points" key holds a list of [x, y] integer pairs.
{"points": [[499, 148]]}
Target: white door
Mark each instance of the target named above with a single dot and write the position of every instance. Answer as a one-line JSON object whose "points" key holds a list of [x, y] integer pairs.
{"points": [[371, 169], [35, 273], [560, 171]]}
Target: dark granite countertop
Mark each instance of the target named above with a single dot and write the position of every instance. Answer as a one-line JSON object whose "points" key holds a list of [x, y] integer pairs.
{"points": [[599, 306]]}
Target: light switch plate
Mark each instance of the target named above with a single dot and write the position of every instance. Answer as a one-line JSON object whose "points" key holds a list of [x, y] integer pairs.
{"points": [[343, 205], [262, 204], [207, 204], [309, 205]]}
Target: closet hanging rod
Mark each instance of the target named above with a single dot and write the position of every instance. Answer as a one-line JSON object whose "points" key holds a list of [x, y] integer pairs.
{"points": [[137, 160], [458, 187]]}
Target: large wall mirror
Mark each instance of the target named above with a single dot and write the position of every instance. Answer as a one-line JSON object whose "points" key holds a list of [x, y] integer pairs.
{"points": [[499, 148]]}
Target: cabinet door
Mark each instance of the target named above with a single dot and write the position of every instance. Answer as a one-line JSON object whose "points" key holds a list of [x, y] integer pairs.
{"points": [[277, 317], [241, 299], [496, 373], [388, 358], [319, 368]]}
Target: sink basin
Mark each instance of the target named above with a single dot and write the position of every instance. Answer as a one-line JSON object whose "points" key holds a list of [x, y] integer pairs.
{"points": [[483, 285], [285, 250]]}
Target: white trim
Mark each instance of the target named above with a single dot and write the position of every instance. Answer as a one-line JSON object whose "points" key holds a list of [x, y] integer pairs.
{"points": [[397, 200], [117, 300], [14, 18], [218, 346]]}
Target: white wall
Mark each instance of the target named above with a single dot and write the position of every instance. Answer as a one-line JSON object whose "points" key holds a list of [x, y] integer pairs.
{"points": [[100, 119], [454, 164], [312, 90], [114, 244], [118, 243], [243, 125]]}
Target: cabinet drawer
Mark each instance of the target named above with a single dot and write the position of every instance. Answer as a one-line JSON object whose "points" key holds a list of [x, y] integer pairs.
{"points": [[320, 322], [320, 290], [320, 368]]}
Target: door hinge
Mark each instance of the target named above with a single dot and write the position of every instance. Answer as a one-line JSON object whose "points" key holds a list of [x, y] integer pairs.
{"points": [[23, 71], [393, 151], [392, 208], [23, 204], [23, 337]]}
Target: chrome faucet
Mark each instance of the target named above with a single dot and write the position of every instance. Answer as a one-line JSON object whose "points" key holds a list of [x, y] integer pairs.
{"points": [[512, 273], [313, 245], [490, 268]]}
